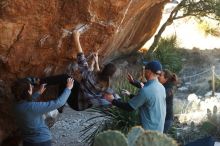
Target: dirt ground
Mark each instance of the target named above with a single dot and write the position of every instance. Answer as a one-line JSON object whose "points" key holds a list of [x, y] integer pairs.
{"points": [[66, 131]]}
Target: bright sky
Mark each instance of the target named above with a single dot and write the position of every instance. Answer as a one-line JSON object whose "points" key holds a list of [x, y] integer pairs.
{"points": [[188, 34]]}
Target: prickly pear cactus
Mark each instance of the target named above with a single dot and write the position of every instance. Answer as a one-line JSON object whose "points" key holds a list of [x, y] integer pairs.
{"points": [[213, 116], [110, 138], [133, 135], [152, 138]]}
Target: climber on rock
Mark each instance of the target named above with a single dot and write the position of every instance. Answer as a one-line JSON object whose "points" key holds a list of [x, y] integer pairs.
{"points": [[90, 90], [93, 85]]}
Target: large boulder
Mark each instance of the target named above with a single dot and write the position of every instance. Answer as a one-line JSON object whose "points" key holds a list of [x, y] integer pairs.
{"points": [[34, 38]]}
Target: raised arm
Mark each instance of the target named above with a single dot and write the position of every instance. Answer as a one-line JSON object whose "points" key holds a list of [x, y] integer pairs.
{"points": [[91, 68], [95, 62], [39, 92], [134, 82], [76, 35], [118, 103], [81, 60], [96, 58], [44, 107]]}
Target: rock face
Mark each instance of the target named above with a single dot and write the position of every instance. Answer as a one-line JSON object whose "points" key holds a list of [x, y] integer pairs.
{"points": [[34, 38]]}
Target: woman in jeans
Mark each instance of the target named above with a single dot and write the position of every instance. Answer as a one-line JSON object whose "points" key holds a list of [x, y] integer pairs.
{"points": [[29, 112]]}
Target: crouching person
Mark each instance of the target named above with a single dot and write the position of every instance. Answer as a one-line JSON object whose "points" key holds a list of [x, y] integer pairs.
{"points": [[29, 113]]}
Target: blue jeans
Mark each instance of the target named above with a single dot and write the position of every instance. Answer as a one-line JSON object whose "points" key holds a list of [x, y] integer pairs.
{"points": [[46, 143], [167, 125]]}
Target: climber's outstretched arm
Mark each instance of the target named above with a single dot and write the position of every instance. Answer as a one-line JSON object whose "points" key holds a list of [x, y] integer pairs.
{"points": [[76, 35], [95, 62], [92, 65], [96, 58]]}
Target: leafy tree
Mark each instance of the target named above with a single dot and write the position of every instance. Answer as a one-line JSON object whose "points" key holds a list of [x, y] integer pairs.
{"points": [[187, 8]]}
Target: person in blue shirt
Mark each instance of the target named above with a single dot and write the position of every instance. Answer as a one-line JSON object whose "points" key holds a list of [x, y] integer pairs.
{"points": [[169, 81], [150, 100], [29, 112]]}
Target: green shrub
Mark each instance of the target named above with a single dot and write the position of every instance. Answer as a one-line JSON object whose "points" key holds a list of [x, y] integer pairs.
{"points": [[168, 54], [184, 133], [112, 118], [211, 125]]}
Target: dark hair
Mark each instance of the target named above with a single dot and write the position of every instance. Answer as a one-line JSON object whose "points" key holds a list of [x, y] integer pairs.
{"points": [[170, 76], [108, 71], [20, 89]]}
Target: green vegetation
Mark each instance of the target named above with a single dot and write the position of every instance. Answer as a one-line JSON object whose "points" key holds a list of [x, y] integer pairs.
{"points": [[112, 118], [168, 54], [134, 134], [188, 8], [184, 133], [187, 132], [209, 29], [137, 136], [153, 138], [110, 138], [211, 126], [116, 119]]}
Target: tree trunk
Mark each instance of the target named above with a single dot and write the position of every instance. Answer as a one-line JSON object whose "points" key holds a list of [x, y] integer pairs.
{"points": [[172, 17]]}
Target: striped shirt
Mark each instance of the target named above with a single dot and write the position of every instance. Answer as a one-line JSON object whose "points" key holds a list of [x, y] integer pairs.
{"points": [[91, 88]]}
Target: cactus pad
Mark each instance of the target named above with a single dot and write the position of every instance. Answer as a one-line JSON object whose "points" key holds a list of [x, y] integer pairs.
{"points": [[133, 135], [153, 138], [110, 138]]}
